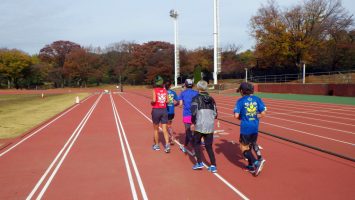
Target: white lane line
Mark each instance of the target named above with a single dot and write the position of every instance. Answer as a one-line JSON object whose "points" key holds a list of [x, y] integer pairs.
{"points": [[272, 113], [38, 130], [139, 179], [323, 127], [128, 168], [327, 138], [307, 111], [216, 174], [74, 134]]}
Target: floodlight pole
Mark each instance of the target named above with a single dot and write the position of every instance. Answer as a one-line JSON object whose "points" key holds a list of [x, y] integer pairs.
{"points": [[174, 15], [216, 40], [304, 73], [246, 74]]}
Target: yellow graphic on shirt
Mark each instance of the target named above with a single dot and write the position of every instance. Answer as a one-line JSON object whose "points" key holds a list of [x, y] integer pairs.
{"points": [[170, 99], [251, 109]]}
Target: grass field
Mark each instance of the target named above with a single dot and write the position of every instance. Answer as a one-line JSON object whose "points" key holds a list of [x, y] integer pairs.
{"points": [[19, 113]]}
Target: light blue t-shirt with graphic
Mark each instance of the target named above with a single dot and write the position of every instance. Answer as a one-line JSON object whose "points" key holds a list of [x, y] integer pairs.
{"points": [[171, 97], [248, 107]]}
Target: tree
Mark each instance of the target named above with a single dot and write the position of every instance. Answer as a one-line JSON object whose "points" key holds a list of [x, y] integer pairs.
{"points": [[300, 33], [55, 55], [12, 65], [80, 66]]}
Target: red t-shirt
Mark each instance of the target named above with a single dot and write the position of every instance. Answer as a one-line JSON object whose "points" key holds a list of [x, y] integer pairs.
{"points": [[160, 98]]}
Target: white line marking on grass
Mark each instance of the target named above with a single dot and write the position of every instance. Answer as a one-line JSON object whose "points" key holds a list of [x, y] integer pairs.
{"points": [[70, 140], [216, 174]]}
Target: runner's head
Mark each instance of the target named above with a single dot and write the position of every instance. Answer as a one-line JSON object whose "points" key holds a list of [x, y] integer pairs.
{"points": [[202, 85], [246, 88], [189, 83], [167, 84], [158, 81]]}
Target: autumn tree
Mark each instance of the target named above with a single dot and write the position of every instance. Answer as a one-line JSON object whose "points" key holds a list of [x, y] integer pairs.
{"points": [[55, 55], [297, 34], [151, 59], [13, 63], [80, 65], [117, 57]]}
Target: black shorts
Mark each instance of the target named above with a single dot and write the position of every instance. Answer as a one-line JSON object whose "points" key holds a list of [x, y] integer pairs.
{"points": [[171, 117], [159, 115], [248, 139]]}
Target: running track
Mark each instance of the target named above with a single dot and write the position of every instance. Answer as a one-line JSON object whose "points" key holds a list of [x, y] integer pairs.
{"points": [[101, 149]]}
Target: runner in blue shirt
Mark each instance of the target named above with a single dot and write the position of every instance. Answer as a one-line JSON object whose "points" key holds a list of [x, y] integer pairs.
{"points": [[173, 100], [185, 100], [249, 109]]}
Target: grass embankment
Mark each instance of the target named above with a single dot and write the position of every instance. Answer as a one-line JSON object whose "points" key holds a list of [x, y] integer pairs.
{"points": [[307, 98], [19, 113]]}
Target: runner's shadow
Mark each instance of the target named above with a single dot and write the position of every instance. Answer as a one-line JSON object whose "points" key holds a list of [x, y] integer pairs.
{"points": [[231, 151]]}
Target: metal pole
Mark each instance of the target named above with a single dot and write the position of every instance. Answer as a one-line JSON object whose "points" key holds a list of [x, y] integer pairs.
{"points": [[304, 73], [174, 15], [246, 74], [215, 39]]}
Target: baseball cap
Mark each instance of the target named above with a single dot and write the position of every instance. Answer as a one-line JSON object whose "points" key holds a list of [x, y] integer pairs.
{"points": [[245, 87], [202, 85], [188, 83], [158, 80]]}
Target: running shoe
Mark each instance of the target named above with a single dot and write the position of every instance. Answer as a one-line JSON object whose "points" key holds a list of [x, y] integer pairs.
{"points": [[212, 169], [167, 148], [250, 168], [156, 147], [259, 164], [182, 148], [198, 166]]}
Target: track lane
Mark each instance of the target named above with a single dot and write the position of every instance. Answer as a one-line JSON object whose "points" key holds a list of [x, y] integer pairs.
{"points": [[289, 167], [166, 175], [95, 167], [23, 166]]}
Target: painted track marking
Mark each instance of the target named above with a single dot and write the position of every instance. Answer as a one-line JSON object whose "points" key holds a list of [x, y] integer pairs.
{"points": [[216, 174], [38, 130], [139, 180], [69, 142]]}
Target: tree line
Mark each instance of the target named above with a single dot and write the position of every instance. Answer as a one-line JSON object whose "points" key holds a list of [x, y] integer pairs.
{"points": [[319, 33]]}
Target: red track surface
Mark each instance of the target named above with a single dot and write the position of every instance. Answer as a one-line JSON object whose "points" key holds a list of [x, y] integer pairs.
{"points": [[95, 165]]}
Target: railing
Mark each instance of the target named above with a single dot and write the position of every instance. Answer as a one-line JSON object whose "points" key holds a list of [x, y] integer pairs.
{"points": [[318, 77]]}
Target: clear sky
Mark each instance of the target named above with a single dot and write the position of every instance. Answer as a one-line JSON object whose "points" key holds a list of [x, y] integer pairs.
{"points": [[31, 24]]}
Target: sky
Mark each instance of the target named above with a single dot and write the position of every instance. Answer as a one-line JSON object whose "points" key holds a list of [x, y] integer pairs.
{"points": [[29, 25]]}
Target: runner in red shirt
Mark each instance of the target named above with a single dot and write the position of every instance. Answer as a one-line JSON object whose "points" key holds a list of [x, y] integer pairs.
{"points": [[160, 113]]}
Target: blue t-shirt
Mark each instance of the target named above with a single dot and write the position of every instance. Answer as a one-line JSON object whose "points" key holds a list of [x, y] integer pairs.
{"points": [[171, 97], [186, 97], [248, 107]]}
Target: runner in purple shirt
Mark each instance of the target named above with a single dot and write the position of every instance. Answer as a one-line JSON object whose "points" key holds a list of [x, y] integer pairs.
{"points": [[185, 100]]}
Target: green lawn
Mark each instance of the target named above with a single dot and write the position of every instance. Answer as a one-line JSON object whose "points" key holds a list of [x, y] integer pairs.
{"points": [[19, 113], [308, 98]]}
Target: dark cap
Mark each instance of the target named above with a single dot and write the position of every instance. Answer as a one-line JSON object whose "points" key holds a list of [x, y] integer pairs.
{"points": [[189, 83], [246, 87], [158, 80]]}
